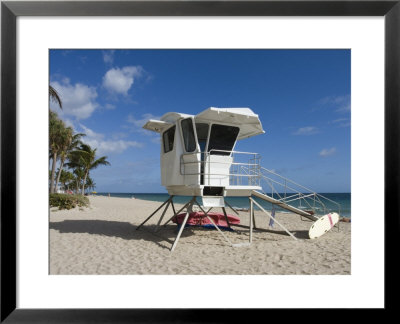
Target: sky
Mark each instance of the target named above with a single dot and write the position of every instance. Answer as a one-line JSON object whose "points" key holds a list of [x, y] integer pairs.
{"points": [[302, 97]]}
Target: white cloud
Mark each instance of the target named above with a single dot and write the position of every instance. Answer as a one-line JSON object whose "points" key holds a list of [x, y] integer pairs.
{"points": [[138, 123], [106, 146], [342, 122], [345, 107], [119, 135], [156, 140], [119, 81], [91, 134], [309, 130], [334, 100], [109, 106], [327, 152], [78, 99], [339, 120], [69, 123], [108, 56], [338, 103]]}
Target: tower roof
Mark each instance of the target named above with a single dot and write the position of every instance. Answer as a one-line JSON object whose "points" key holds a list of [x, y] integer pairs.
{"points": [[244, 118]]}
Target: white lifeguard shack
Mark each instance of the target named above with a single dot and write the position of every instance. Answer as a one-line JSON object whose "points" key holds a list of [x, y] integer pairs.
{"points": [[197, 151], [198, 160]]}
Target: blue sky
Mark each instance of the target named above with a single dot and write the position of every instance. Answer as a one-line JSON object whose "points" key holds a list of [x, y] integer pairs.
{"points": [[301, 96]]}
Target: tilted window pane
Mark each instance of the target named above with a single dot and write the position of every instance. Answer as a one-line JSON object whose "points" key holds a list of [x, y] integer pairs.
{"points": [[222, 138], [188, 135], [168, 139], [202, 133]]}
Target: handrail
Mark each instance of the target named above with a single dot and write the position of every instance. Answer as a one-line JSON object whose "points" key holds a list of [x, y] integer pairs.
{"points": [[233, 152], [225, 151], [310, 195], [307, 189], [254, 172], [207, 170]]}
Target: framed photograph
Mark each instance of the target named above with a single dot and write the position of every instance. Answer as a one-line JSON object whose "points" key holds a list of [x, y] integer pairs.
{"points": [[320, 78]]}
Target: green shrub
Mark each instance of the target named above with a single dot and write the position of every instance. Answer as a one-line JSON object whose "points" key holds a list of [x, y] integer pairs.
{"points": [[66, 201]]}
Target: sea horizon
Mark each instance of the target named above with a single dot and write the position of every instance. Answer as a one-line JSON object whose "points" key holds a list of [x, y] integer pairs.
{"points": [[342, 198]]}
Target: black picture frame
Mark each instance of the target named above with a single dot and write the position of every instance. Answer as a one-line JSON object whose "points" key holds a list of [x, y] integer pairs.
{"points": [[10, 10]]}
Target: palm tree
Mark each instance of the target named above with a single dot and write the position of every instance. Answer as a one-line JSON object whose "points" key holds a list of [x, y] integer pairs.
{"points": [[66, 179], [57, 133], [86, 158], [63, 142], [54, 96], [90, 185], [69, 143], [78, 173]]}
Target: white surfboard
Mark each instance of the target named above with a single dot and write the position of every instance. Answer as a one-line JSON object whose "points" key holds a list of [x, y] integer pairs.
{"points": [[323, 225]]}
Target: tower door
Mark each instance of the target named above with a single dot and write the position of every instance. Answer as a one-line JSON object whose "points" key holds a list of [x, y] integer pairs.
{"points": [[202, 136], [219, 154], [190, 159]]}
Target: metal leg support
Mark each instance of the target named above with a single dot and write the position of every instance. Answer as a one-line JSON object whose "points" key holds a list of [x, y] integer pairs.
{"points": [[183, 224], [162, 216], [251, 220], [173, 207], [215, 225], [226, 217], [235, 211], [145, 221], [254, 220], [176, 213], [286, 230]]}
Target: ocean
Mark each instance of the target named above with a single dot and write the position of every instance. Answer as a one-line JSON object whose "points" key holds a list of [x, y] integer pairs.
{"points": [[344, 199]]}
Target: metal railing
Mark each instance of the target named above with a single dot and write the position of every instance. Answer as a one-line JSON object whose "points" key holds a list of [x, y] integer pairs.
{"points": [[251, 173], [214, 169], [290, 192]]}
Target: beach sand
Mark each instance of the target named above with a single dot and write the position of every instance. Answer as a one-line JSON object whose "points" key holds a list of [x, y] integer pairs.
{"points": [[102, 239]]}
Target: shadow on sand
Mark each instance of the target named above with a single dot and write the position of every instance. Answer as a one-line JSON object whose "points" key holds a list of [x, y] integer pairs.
{"points": [[301, 234], [127, 231], [123, 230]]}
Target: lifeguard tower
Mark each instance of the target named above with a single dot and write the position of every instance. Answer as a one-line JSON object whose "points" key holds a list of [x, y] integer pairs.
{"points": [[198, 160]]}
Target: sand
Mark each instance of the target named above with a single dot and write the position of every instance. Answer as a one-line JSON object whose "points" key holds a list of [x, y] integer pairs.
{"points": [[102, 239]]}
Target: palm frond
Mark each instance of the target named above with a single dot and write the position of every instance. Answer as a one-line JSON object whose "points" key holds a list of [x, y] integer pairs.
{"points": [[100, 161], [54, 96]]}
